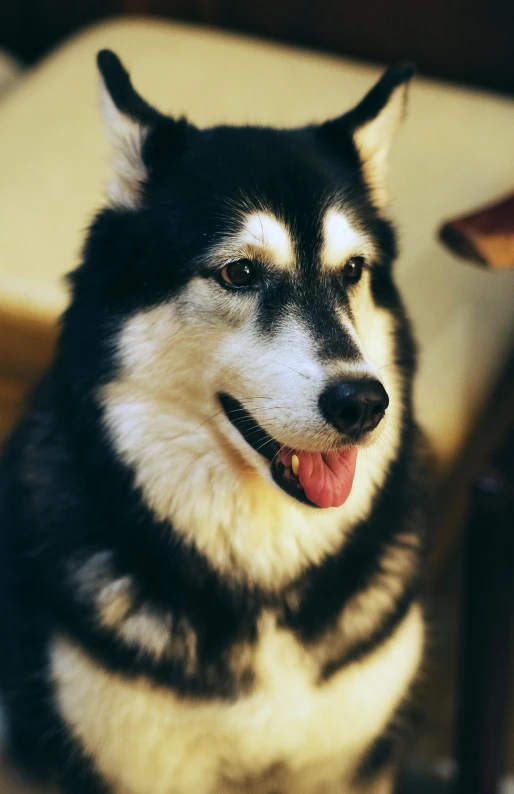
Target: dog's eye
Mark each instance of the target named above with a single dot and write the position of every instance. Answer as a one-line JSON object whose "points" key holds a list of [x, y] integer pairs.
{"points": [[352, 271], [238, 274]]}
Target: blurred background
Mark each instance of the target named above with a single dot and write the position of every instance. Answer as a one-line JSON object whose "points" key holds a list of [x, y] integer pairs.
{"points": [[469, 41], [454, 156]]}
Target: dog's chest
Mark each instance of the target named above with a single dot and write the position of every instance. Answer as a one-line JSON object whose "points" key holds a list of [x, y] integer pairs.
{"points": [[290, 731]]}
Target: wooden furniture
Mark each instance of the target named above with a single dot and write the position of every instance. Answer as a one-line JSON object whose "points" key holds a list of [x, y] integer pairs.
{"points": [[486, 238], [26, 345], [487, 623]]}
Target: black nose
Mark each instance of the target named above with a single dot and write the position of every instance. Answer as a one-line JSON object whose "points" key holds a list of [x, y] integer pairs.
{"points": [[354, 406]]}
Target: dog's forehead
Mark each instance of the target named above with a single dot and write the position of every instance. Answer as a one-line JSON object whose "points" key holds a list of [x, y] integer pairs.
{"points": [[271, 194], [268, 233], [329, 237]]}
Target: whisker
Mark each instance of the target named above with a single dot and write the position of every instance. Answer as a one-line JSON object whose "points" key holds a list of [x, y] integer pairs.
{"points": [[302, 374], [396, 363], [242, 399], [243, 423], [243, 410], [207, 420], [267, 441], [278, 453]]}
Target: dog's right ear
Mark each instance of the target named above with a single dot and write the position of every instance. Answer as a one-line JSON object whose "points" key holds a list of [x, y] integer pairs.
{"points": [[143, 140], [371, 126]]}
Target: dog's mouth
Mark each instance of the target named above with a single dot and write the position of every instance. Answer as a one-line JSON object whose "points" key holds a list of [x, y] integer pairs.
{"points": [[319, 479]]}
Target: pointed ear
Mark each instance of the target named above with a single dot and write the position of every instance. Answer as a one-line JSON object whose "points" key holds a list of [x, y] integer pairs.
{"points": [[128, 120], [143, 140], [372, 124]]}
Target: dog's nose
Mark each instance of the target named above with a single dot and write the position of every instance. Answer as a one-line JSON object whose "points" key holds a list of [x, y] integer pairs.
{"points": [[354, 406]]}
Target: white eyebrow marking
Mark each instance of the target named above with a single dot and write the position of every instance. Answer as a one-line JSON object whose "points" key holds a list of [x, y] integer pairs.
{"points": [[340, 240], [266, 232]]}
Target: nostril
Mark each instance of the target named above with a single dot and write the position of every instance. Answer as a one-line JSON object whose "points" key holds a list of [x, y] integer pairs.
{"points": [[375, 405], [378, 409], [374, 418], [350, 415]]}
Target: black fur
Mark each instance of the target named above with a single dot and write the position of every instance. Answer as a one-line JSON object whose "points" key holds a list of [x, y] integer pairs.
{"points": [[64, 496], [387, 750]]}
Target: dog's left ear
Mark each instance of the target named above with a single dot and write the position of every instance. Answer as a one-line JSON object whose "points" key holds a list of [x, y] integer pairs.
{"points": [[143, 140], [372, 124]]}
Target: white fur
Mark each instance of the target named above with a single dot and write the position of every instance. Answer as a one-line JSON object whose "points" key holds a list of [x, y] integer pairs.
{"points": [[373, 142], [147, 630], [375, 328], [367, 610], [150, 741], [113, 602], [194, 467], [126, 138], [196, 471], [341, 240], [95, 584], [268, 233], [258, 235]]}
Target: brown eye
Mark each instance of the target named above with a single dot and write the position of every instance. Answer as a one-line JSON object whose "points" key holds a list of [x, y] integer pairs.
{"points": [[238, 274], [352, 271]]}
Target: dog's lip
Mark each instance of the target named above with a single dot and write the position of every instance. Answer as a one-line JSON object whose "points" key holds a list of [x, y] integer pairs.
{"points": [[261, 441], [255, 435]]}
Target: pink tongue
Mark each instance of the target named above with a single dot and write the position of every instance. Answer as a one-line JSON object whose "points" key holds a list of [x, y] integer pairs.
{"points": [[327, 479]]}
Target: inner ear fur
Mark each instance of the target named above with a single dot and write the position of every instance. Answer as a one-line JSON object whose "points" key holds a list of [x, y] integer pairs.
{"points": [[371, 126]]}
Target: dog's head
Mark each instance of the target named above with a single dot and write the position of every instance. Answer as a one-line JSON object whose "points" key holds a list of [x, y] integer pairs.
{"points": [[242, 282]]}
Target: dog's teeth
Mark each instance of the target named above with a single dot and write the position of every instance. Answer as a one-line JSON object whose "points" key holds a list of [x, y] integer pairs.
{"points": [[295, 465]]}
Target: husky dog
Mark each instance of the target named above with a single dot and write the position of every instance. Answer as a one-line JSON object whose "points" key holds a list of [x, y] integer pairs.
{"points": [[212, 514]]}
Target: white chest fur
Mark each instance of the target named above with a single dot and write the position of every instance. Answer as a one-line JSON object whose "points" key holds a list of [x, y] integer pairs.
{"points": [[148, 741]]}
